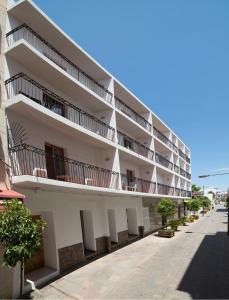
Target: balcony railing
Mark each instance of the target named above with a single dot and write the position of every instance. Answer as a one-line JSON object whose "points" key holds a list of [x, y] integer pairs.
{"points": [[188, 175], [132, 114], [162, 137], [188, 159], [176, 169], [189, 194], [163, 189], [135, 184], [181, 153], [135, 146], [175, 149], [29, 35], [182, 172], [29, 160], [183, 193], [176, 192], [163, 161], [22, 84]]}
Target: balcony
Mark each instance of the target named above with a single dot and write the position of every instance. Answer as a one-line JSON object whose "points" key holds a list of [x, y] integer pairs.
{"points": [[162, 137], [188, 160], [29, 160], [182, 172], [188, 175], [183, 193], [132, 114], [24, 32], [163, 161], [163, 189], [135, 146], [176, 192], [24, 85], [182, 154], [176, 169], [189, 194], [135, 184]]}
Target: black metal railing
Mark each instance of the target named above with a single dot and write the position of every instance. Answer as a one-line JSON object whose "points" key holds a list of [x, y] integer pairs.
{"points": [[189, 194], [188, 175], [163, 189], [132, 114], [29, 160], [176, 169], [163, 161], [181, 153], [22, 84], [188, 159], [135, 184], [175, 149], [162, 137], [135, 146], [176, 192], [29, 35], [182, 172], [183, 193]]}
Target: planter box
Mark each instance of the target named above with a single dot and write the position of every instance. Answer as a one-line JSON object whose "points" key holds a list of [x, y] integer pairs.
{"points": [[166, 233]]}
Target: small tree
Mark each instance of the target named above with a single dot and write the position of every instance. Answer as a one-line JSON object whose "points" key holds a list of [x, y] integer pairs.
{"points": [[166, 207], [206, 203], [195, 188], [194, 205], [20, 235]]}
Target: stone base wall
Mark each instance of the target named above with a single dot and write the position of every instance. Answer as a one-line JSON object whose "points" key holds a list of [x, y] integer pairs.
{"points": [[70, 256], [102, 245], [123, 237]]}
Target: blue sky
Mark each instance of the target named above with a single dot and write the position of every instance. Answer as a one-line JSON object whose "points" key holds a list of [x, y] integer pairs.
{"points": [[174, 55]]}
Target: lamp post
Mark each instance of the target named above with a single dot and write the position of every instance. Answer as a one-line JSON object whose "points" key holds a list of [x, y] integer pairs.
{"points": [[216, 174]]}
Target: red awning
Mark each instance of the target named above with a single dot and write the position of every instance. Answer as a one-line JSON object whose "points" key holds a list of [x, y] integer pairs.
{"points": [[10, 194]]}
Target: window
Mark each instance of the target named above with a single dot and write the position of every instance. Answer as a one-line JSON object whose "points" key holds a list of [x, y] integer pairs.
{"points": [[55, 106]]}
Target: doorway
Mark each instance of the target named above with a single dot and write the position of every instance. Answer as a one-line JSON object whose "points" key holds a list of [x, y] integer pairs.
{"points": [[87, 232], [131, 217], [112, 226], [54, 162], [37, 259]]}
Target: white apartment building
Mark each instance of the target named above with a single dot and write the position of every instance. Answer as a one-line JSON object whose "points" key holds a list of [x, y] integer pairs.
{"points": [[90, 157]]}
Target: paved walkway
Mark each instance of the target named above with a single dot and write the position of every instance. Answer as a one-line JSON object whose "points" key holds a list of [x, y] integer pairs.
{"points": [[193, 265]]}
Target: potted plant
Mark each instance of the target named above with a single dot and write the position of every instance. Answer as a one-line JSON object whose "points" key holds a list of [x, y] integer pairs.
{"points": [[194, 205], [166, 207], [183, 221], [190, 219], [174, 224]]}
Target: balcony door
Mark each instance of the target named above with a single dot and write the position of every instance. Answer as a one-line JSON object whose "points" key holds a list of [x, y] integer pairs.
{"points": [[130, 177], [54, 161]]}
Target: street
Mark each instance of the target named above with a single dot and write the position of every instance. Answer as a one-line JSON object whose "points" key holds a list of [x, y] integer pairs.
{"points": [[192, 265]]}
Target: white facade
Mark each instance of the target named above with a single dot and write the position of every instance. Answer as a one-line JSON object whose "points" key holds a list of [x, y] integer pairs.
{"points": [[85, 151]]}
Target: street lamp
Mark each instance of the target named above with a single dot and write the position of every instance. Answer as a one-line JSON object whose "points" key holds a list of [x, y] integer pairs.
{"points": [[216, 174]]}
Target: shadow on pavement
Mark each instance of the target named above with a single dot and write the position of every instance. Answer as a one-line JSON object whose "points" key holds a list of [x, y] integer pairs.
{"points": [[207, 276]]}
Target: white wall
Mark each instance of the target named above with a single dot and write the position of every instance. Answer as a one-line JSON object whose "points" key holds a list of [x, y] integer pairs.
{"points": [[132, 220], [112, 225]]}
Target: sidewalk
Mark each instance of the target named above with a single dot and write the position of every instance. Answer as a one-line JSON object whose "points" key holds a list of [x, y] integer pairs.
{"points": [[192, 265]]}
